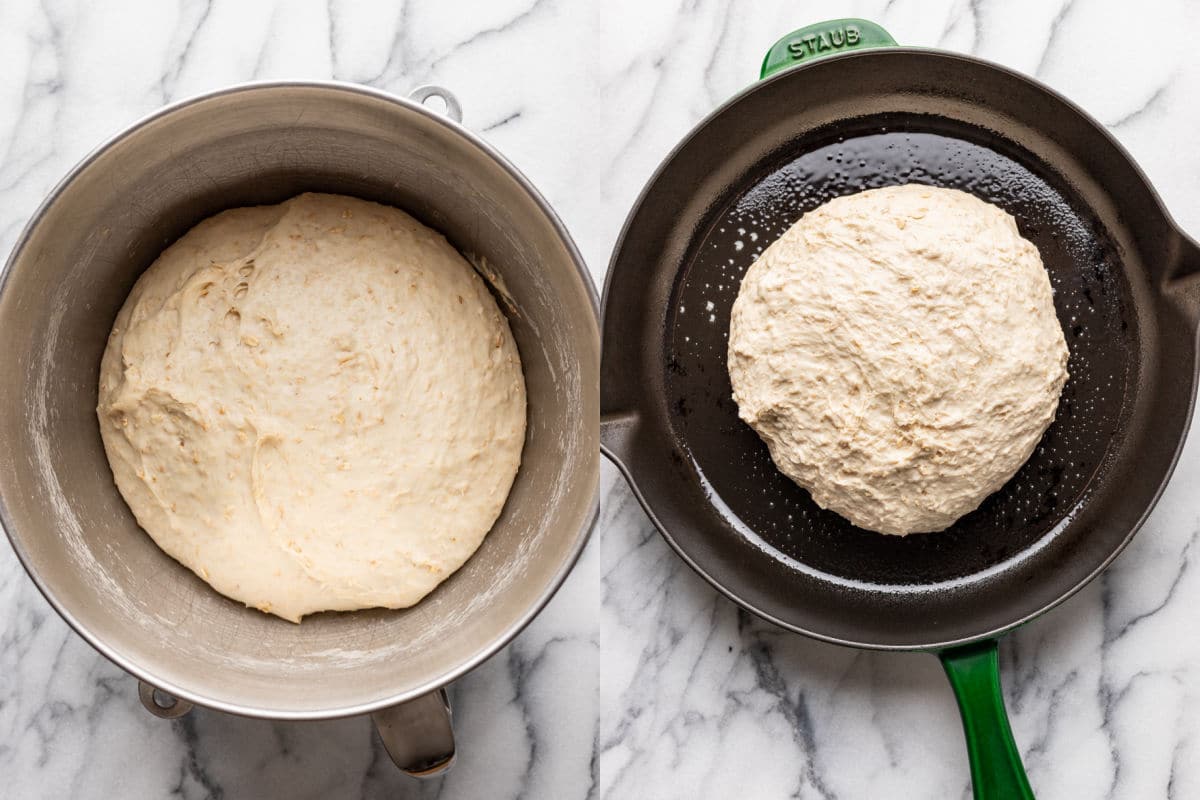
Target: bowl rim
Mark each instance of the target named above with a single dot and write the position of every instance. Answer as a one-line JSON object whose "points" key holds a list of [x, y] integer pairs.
{"points": [[557, 578]]}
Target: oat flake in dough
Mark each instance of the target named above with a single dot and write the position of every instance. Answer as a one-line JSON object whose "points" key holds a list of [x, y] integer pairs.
{"points": [[899, 353], [314, 406]]}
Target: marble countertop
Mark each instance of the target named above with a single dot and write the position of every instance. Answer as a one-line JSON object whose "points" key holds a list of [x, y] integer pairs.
{"points": [[638, 681]]}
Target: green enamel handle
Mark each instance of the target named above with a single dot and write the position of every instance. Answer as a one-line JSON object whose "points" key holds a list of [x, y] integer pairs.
{"points": [[996, 770], [824, 39]]}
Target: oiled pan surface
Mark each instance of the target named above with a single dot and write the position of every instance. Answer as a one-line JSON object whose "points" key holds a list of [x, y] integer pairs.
{"points": [[1091, 299]]}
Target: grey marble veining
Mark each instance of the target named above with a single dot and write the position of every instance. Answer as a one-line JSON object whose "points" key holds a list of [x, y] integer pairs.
{"points": [[639, 681]]}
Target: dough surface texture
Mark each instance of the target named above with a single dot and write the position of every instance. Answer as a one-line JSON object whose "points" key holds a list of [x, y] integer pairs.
{"points": [[899, 353], [314, 406]]}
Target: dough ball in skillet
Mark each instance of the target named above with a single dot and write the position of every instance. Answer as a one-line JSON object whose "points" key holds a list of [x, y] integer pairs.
{"points": [[899, 353]]}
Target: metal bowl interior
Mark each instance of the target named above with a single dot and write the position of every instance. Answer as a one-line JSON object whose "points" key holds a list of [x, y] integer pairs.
{"points": [[838, 126], [69, 276]]}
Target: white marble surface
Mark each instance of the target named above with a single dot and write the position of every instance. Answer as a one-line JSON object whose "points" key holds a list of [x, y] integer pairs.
{"points": [[638, 681]]}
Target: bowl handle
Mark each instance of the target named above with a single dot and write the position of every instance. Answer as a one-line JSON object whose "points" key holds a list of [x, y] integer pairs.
{"points": [[824, 39], [996, 769], [160, 703], [423, 93], [418, 735]]}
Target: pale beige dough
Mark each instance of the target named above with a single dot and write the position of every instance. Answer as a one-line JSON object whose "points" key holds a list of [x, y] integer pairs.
{"points": [[899, 353], [314, 406]]}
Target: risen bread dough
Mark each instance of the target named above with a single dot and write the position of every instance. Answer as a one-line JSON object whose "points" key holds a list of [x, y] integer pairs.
{"points": [[314, 406], [899, 353]]}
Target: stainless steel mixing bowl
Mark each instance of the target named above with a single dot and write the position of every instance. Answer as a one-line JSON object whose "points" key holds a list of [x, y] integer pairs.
{"points": [[62, 288]]}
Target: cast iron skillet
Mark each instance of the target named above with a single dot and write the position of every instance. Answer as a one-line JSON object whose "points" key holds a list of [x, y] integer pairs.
{"points": [[1126, 293]]}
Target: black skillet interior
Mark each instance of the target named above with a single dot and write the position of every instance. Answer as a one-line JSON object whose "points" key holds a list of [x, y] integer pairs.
{"points": [[838, 127], [1091, 298]]}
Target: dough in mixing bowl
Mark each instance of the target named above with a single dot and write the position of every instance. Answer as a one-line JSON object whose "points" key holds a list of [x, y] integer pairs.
{"points": [[314, 406], [899, 353]]}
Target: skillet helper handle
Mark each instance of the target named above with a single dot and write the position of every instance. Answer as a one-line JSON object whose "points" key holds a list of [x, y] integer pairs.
{"points": [[418, 735], [824, 39], [996, 769], [616, 436]]}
